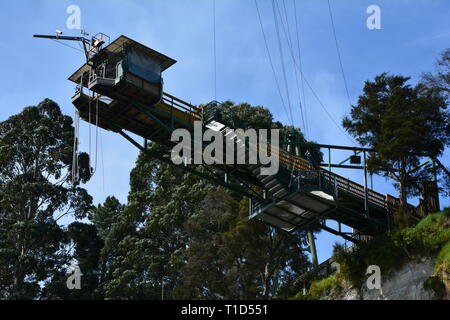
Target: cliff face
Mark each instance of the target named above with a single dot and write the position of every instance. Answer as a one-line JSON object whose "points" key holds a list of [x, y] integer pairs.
{"points": [[404, 284]]}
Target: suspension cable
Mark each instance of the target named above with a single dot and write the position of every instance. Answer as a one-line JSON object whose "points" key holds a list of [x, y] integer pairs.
{"points": [[339, 53], [270, 59], [280, 47], [305, 118], [295, 70], [215, 50], [291, 51]]}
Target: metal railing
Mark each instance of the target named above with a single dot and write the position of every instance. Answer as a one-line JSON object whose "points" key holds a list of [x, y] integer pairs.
{"points": [[193, 112], [296, 163]]}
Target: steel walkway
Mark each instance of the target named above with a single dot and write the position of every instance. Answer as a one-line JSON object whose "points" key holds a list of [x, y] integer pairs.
{"points": [[298, 197]]}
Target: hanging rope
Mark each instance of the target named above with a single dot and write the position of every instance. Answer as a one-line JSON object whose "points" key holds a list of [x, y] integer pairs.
{"points": [[96, 135], [103, 163], [89, 127], [92, 169], [75, 169]]}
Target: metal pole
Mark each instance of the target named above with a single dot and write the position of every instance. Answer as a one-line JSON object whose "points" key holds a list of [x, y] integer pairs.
{"points": [[310, 235], [366, 206], [298, 154], [329, 159], [435, 185], [312, 246], [162, 288], [371, 181]]}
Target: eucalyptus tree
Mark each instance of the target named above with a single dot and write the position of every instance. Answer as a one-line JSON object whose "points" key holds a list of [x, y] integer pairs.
{"points": [[36, 152]]}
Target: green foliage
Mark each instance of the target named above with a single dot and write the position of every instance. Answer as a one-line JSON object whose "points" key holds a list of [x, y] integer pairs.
{"points": [[435, 284], [245, 116], [432, 220], [230, 257], [36, 148], [393, 250], [443, 259], [321, 288], [390, 252], [404, 124], [439, 80], [193, 238]]}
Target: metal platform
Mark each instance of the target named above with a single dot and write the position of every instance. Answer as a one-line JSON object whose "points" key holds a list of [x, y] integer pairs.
{"points": [[301, 200], [298, 197]]}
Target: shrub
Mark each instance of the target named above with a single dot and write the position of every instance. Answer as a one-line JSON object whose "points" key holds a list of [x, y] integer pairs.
{"points": [[391, 251], [443, 260], [435, 284], [321, 288]]}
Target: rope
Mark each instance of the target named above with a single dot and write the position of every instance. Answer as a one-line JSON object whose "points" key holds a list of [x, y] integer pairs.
{"points": [[67, 45], [103, 163], [89, 126], [75, 168], [93, 169], [96, 135]]}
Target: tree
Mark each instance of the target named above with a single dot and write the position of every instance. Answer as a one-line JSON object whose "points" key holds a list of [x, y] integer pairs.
{"points": [[167, 211], [35, 192], [403, 124], [84, 246], [150, 252], [230, 257], [440, 79]]}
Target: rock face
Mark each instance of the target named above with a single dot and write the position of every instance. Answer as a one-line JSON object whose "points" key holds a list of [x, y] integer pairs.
{"points": [[404, 284]]}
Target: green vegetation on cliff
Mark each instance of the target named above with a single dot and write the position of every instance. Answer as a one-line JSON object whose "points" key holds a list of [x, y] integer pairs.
{"points": [[429, 238]]}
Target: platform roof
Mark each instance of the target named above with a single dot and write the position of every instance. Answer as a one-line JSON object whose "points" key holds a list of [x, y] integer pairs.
{"points": [[115, 48]]}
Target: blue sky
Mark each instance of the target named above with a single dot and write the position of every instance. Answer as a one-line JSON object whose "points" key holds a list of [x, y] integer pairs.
{"points": [[413, 33]]}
